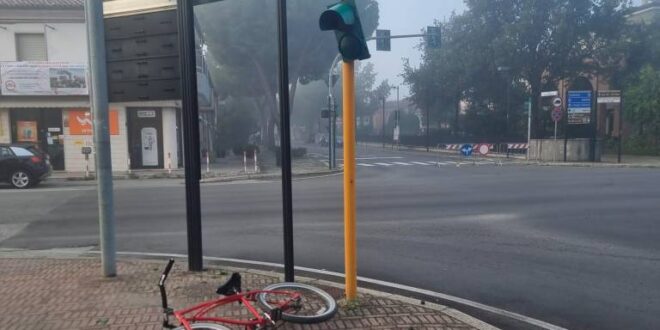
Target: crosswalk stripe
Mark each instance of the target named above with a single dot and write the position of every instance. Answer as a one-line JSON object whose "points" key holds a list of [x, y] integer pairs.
{"points": [[402, 163], [384, 164], [423, 164], [366, 165]]}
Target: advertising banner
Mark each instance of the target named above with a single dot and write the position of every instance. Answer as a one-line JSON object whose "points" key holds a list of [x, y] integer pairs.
{"points": [[43, 78], [80, 122], [26, 131]]}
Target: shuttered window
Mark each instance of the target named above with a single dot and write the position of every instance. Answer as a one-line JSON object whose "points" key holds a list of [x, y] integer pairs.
{"points": [[31, 47]]}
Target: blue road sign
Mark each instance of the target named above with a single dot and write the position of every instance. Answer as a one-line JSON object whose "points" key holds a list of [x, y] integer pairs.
{"points": [[579, 107], [467, 150]]}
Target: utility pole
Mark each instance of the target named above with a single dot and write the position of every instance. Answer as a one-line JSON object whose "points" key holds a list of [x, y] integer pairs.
{"points": [[383, 132], [285, 140], [529, 125], [190, 114], [343, 19], [99, 93], [332, 119]]}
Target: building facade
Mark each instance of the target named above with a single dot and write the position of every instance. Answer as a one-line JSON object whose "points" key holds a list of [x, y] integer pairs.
{"points": [[44, 99]]}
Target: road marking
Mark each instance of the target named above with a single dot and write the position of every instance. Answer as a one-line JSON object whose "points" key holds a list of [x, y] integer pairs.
{"points": [[402, 163], [373, 158], [38, 190], [384, 164], [423, 164], [410, 289], [365, 165]]}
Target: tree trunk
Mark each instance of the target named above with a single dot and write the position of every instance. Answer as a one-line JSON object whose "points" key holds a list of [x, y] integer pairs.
{"points": [[536, 96]]}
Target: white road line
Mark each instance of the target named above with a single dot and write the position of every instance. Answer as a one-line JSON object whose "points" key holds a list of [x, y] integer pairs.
{"points": [[384, 164], [424, 164], [438, 295], [365, 165], [373, 158], [402, 163]]}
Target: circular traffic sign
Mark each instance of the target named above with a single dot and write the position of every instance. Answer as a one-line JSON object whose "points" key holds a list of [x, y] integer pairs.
{"points": [[557, 114], [557, 102], [467, 150], [483, 149]]}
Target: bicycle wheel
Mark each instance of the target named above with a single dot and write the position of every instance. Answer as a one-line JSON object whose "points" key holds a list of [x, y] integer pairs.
{"points": [[205, 326], [314, 306]]}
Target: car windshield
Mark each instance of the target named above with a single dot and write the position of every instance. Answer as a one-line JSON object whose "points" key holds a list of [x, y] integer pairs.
{"points": [[21, 152]]}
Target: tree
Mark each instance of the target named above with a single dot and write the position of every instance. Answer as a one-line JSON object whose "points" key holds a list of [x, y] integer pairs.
{"points": [[541, 42], [642, 97], [244, 47]]}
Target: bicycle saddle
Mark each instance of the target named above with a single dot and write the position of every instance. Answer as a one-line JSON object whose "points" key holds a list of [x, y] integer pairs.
{"points": [[231, 287]]}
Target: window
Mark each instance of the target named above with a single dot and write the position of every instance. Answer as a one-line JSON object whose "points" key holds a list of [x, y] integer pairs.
{"points": [[21, 152], [4, 152], [31, 47]]}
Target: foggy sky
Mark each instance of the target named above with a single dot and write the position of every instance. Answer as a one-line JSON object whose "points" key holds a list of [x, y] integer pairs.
{"points": [[410, 20]]}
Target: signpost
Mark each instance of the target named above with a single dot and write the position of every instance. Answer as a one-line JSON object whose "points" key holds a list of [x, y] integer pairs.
{"points": [[467, 150], [579, 107], [557, 115], [614, 97]]}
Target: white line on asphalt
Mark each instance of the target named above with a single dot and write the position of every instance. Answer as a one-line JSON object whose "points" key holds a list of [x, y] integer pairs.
{"points": [[424, 164], [384, 164], [439, 163], [38, 190], [402, 164], [365, 165], [465, 302], [373, 158]]}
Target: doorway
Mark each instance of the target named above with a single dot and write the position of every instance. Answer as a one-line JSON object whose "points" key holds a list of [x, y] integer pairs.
{"points": [[145, 138]]}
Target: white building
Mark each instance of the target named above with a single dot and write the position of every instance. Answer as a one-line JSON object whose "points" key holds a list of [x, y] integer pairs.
{"points": [[44, 97]]}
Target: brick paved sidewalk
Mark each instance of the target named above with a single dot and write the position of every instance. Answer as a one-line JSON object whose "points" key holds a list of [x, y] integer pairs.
{"points": [[66, 293]]}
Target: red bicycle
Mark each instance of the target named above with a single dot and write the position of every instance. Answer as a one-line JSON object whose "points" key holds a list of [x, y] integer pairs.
{"points": [[293, 302]]}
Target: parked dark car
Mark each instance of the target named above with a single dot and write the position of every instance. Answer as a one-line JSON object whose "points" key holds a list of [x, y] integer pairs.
{"points": [[23, 166]]}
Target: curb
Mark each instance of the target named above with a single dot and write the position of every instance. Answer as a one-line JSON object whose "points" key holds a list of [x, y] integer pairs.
{"points": [[209, 179], [589, 165], [76, 253]]}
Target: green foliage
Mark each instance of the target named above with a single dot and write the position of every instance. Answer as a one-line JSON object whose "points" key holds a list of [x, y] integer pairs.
{"points": [[235, 125], [243, 53], [540, 42], [642, 110]]}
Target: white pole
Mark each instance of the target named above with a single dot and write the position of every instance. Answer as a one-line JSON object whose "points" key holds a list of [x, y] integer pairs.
{"points": [[529, 126], [244, 161], [208, 162], [86, 166], [169, 163], [256, 167], [128, 163]]}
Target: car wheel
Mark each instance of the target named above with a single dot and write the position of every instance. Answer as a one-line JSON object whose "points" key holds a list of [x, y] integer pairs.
{"points": [[21, 179]]}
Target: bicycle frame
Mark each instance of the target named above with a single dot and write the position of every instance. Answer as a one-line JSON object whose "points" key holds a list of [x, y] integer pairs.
{"points": [[199, 312]]}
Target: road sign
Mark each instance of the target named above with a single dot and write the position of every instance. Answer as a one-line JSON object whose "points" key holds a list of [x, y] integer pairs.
{"points": [[434, 37], [383, 41], [467, 150], [557, 102], [579, 107], [549, 94], [483, 149], [557, 114], [605, 97]]}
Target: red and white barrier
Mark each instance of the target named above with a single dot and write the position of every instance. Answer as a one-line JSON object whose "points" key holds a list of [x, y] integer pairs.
{"points": [[518, 146]]}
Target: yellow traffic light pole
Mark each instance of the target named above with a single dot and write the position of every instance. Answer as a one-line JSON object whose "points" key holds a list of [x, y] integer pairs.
{"points": [[350, 240]]}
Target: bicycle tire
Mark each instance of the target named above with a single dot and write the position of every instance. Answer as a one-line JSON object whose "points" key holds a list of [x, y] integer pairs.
{"points": [[204, 326], [328, 311]]}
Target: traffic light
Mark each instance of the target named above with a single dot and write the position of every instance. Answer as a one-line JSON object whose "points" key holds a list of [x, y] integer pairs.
{"points": [[383, 40], [343, 18], [433, 37]]}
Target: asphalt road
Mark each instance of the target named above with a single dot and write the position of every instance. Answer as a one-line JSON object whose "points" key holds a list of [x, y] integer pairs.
{"points": [[575, 247]]}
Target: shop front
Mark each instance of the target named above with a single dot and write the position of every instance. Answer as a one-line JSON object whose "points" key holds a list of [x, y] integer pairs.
{"points": [[40, 127]]}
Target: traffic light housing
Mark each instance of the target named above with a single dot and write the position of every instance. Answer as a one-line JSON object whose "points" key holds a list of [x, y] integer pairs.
{"points": [[343, 18], [433, 37]]}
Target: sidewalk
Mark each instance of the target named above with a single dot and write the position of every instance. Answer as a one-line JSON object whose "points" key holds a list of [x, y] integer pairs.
{"points": [[223, 169], [42, 291]]}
